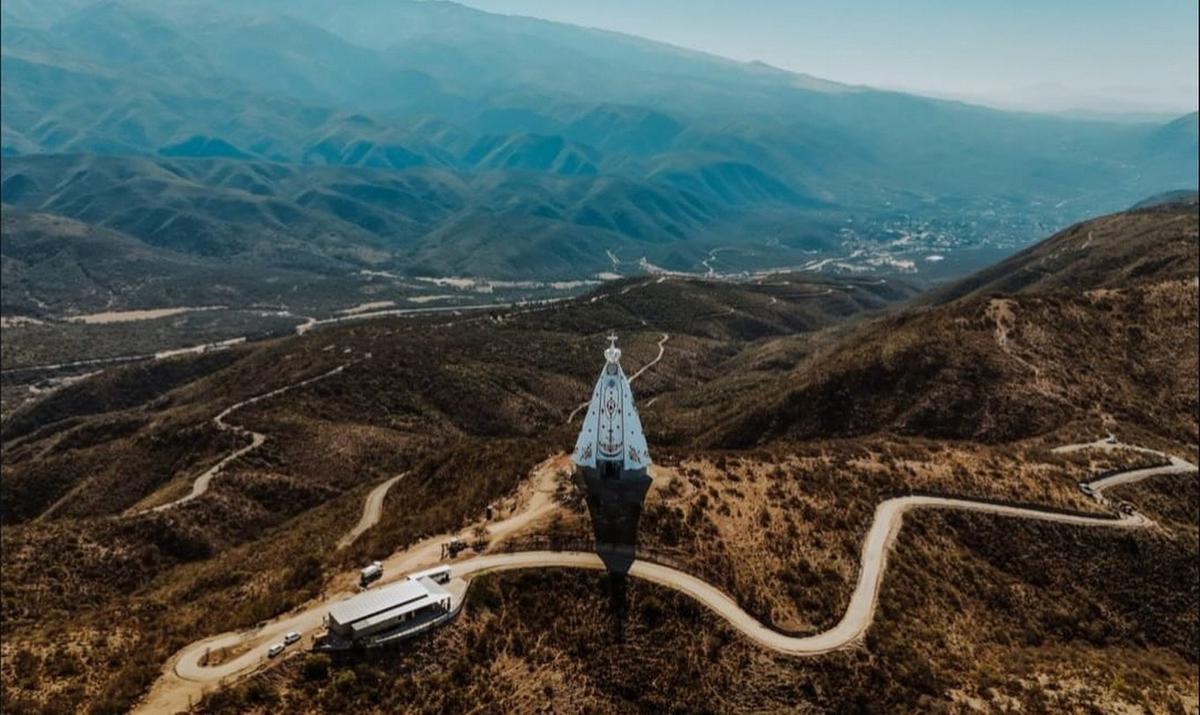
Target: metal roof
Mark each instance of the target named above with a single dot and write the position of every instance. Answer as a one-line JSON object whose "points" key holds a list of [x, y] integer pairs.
{"points": [[444, 568], [407, 593], [391, 614], [433, 588]]}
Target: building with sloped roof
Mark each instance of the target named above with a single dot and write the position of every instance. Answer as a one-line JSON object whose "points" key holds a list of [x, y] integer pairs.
{"points": [[411, 601]]}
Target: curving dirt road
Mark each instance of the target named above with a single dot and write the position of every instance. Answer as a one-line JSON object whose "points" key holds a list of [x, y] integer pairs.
{"points": [[200, 486], [1174, 465], [187, 677], [860, 613], [372, 510], [662, 347]]}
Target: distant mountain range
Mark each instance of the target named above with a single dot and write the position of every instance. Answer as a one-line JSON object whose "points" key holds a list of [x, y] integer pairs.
{"points": [[427, 137]]}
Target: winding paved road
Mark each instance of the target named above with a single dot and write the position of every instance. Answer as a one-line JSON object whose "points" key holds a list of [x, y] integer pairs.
{"points": [[860, 613], [186, 678]]}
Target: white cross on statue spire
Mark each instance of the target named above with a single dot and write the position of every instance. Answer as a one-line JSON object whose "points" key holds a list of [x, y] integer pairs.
{"points": [[613, 353]]}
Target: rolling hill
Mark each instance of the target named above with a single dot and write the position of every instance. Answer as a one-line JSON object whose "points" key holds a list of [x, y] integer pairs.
{"points": [[783, 410], [1094, 323], [289, 217], [759, 239]]}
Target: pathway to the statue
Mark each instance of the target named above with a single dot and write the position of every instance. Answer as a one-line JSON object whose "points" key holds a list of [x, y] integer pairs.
{"points": [[186, 677]]}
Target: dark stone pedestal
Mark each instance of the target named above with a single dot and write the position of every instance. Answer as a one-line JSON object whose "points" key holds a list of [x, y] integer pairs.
{"points": [[615, 501]]}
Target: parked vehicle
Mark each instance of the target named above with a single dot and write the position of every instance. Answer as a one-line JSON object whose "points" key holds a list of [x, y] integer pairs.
{"points": [[291, 638], [454, 546], [275, 650], [372, 573]]}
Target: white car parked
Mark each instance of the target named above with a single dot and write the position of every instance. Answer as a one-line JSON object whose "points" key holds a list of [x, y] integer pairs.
{"points": [[275, 650], [291, 638]]}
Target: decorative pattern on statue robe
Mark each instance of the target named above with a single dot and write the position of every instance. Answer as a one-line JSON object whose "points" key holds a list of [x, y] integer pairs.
{"points": [[612, 431]]}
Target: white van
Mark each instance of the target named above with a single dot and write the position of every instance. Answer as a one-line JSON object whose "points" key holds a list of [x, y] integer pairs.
{"points": [[291, 638], [274, 650], [374, 572]]}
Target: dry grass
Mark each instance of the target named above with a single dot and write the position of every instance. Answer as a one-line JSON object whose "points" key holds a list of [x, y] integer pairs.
{"points": [[781, 529], [962, 622], [827, 424]]}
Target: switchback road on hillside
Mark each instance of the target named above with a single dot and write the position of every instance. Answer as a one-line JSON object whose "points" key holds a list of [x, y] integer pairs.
{"points": [[200, 486], [1175, 466], [880, 537], [187, 677]]}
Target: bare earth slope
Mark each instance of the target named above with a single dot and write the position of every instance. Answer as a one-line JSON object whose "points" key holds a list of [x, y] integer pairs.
{"points": [[1095, 323], [1151, 243]]}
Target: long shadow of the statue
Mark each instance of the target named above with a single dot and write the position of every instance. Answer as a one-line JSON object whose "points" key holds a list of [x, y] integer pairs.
{"points": [[614, 501]]}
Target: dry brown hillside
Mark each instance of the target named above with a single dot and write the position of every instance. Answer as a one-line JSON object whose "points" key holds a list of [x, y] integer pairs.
{"points": [[1140, 246], [466, 404], [1096, 323], [780, 414]]}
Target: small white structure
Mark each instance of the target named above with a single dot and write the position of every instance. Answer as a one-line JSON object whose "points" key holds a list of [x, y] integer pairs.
{"points": [[414, 601], [374, 572]]}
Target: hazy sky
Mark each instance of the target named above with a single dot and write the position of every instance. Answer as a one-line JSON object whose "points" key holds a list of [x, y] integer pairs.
{"points": [[1133, 54]]}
